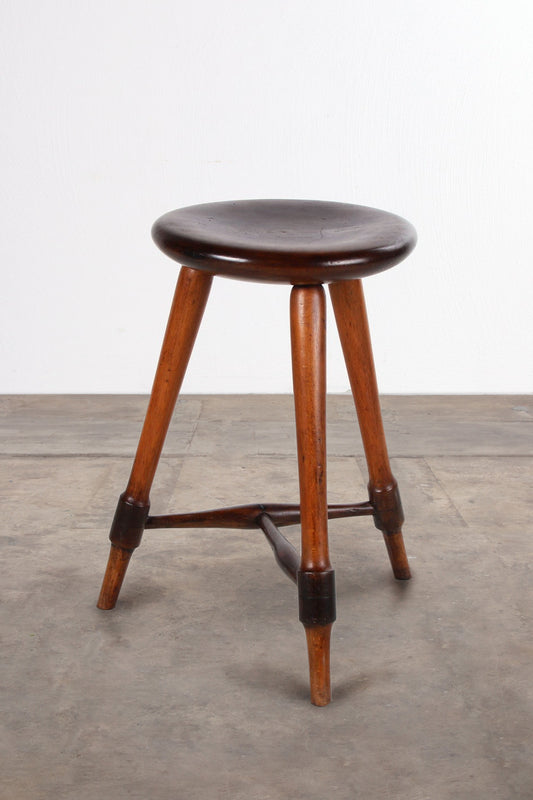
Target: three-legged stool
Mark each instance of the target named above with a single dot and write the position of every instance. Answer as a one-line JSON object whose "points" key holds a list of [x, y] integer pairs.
{"points": [[306, 244]]}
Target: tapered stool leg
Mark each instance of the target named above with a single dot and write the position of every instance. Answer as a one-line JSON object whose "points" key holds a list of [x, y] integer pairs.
{"points": [[316, 588], [352, 323], [188, 306]]}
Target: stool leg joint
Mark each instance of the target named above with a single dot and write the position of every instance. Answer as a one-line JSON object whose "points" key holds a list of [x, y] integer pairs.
{"points": [[316, 596], [387, 505], [388, 518], [128, 524]]}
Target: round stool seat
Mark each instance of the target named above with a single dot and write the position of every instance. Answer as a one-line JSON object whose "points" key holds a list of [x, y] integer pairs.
{"points": [[285, 241]]}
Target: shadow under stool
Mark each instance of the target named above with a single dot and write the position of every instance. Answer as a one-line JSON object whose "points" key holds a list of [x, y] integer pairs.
{"points": [[305, 244]]}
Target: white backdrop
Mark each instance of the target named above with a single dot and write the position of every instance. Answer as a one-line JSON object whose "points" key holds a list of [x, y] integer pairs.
{"points": [[115, 112]]}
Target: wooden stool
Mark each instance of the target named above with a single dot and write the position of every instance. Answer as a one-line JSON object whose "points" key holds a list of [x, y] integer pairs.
{"points": [[306, 244]]}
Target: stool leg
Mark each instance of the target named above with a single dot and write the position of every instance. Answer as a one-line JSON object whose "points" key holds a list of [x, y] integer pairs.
{"points": [[316, 590], [188, 306], [352, 323]]}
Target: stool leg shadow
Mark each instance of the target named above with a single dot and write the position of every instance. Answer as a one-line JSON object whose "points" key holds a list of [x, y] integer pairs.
{"points": [[186, 313], [352, 323]]}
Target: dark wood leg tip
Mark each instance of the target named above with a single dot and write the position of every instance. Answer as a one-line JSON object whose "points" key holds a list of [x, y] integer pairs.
{"points": [[119, 558], [402, 574], [397, 555], [318, 647]]}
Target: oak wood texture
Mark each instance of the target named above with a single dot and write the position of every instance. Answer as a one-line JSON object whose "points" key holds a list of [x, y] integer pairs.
{"points": [[352, 323], [308, 343], [285, 241]]}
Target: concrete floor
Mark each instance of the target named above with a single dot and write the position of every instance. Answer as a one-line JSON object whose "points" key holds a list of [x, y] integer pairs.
{"points": [[195, 686]]}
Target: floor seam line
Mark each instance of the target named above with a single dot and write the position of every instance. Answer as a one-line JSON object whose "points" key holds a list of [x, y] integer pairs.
{"points": [[445, 492]]}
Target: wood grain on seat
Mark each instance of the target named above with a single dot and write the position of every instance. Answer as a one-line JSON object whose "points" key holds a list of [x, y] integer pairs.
{"points": [[285, 241]]}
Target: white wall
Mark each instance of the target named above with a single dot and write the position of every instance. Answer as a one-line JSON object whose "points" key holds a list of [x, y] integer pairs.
{"points": [[116, 111]]}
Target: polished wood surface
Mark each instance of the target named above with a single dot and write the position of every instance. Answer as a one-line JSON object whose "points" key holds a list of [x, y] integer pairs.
{"points": [[187, 310], [285, 241], [352, 323], [117, 565], [126, 533], [307, 244], [285, 554], [318, 649], [247, 517], [308, 339], [308, 326], [190, 298]]}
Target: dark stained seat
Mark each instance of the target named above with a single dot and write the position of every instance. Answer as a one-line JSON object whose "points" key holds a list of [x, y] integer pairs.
{"points": [[285, 241]]}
